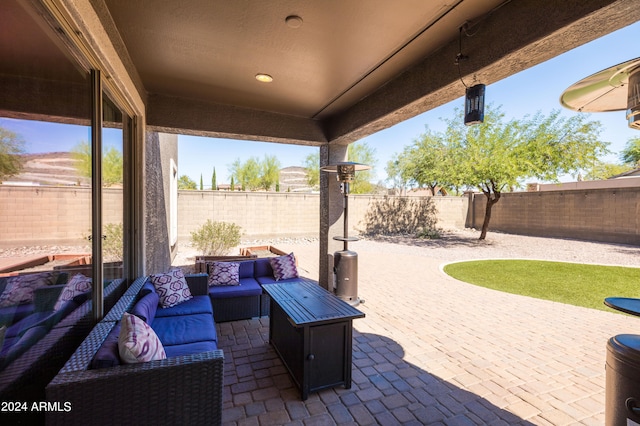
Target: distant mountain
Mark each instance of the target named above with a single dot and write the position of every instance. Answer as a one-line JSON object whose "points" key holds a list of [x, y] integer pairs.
{"points": [[294, 179], [51, 168]]}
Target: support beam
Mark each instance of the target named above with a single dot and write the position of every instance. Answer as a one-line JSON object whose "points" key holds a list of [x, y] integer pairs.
{"points": [[516, 36], [192, 117]]}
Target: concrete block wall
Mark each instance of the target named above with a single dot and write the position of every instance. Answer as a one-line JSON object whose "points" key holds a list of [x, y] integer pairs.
{"points": [[62, 215], [265, 215], [51, 215], [260, 214], [608, 215]]}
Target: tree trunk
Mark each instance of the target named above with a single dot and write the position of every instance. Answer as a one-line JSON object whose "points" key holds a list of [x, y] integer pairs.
{"points": [[487, 213]]}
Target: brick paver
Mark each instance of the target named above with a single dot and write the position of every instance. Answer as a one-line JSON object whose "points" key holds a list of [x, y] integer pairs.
{"points": [[433, 350]]}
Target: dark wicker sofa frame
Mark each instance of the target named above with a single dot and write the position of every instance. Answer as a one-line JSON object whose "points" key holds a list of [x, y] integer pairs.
{"points": [[178, 390]]}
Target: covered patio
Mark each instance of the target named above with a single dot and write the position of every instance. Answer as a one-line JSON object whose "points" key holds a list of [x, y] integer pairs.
{"points": [[434, 350], [322, 74]]}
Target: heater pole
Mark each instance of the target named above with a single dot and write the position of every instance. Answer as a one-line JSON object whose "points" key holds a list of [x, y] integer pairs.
{"points": [[346, 216]]}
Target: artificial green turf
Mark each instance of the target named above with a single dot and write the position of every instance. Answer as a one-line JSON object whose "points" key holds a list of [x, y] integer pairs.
{"points": [[572, 283]]}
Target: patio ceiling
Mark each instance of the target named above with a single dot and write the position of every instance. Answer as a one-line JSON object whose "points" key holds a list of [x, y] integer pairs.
{"points": [[341, 69]]}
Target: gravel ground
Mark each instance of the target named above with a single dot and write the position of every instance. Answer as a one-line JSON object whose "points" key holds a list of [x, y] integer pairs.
{"points": [[454, 245]]}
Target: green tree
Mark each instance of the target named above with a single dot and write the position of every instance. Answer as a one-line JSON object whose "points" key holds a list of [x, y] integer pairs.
{"points": [[112, 167], [631, 153], [312, 167], [233, 184], [269, 172], [602, 170], [214, 181], [424, 163], [185, 182], [358, 153], [112, 163], [201, 185], [11, 147], [81, 153], [248, 174], [496, 156]]}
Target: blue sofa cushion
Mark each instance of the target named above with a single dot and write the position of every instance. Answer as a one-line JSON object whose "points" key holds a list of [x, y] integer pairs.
{"points": [[15, 313], [146, 307], [108, 355], [19, 345], [45, 319], [190, 348], [195, 305], [247, 287], [247, 269], [262, 268], [177, 330]]}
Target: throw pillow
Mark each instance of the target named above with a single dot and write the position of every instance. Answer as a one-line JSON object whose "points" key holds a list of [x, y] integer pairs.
{"points": [[224, 273], [284, 267], [172, 288], [137, 342], [77, 285], [20, 289]]}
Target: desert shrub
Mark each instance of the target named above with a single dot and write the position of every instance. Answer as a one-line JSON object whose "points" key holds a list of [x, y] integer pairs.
{"points": [[112, 247], [400, 216], [429, 233], [216, 238], [112, 242]]}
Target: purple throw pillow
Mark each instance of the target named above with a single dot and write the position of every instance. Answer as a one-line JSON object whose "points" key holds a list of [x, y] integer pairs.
{"points": [[20, 289], [224, 273], [284, 267], [76, 286], [172, 287]]}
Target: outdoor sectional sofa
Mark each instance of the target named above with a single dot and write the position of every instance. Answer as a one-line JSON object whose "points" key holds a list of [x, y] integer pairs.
{"points": [[14, 313], [232, 303], [45, 339], [184, 388]]}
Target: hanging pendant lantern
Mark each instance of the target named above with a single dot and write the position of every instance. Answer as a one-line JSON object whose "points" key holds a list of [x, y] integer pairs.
{"points": [[474, 105]]}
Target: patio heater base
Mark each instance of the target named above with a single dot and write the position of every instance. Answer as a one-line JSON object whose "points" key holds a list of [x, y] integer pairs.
{"points": [[345, 268]]}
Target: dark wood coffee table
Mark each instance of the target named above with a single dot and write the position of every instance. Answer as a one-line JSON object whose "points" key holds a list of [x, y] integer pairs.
{"points": [[311, 330]]}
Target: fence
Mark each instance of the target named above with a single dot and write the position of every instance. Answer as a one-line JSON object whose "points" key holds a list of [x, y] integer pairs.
{"points": [[58, 215], [608, 215]]}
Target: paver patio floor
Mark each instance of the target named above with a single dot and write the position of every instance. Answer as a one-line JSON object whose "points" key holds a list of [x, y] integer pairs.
{"points": [[433, 350]]}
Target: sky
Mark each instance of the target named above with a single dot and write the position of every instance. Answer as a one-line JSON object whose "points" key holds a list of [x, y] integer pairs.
{"points": [[535, 89]]}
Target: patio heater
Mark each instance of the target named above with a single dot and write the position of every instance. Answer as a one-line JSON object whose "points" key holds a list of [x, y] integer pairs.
{"points": [[345, 261]]}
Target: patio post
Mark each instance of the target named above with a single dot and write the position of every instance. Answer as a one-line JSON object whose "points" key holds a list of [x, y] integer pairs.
{"points": [[331, 210]]}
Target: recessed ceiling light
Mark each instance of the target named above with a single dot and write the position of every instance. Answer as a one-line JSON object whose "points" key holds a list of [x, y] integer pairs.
{"points": [[264, 78], [293, 21]]}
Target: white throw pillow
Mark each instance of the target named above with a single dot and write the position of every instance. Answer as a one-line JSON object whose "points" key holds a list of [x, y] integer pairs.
{"points": [[137, 342]]}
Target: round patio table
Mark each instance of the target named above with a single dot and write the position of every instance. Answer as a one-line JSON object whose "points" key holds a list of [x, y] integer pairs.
{"points": [[629, 305]]}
